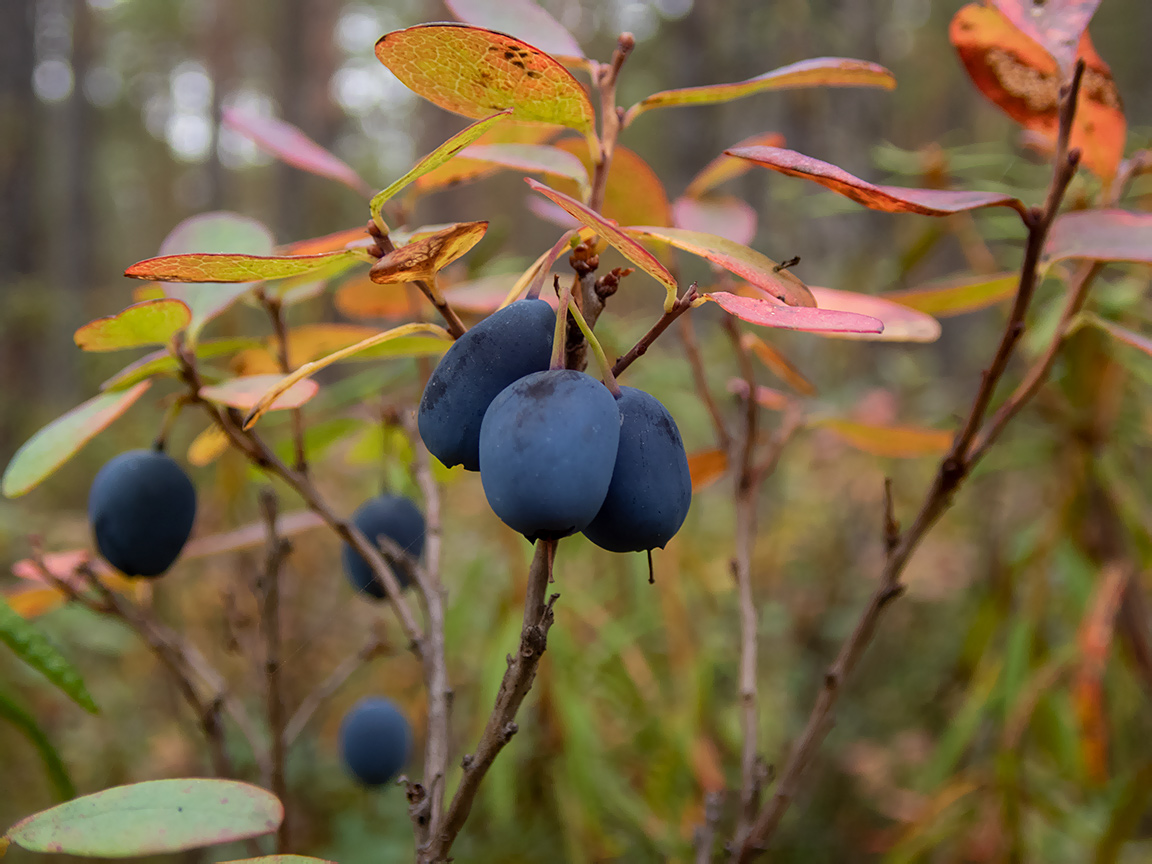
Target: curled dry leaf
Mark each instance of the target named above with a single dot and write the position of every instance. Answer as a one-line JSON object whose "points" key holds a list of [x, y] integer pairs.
{"points": [[424, 258], [889, 199], [153, 322]]}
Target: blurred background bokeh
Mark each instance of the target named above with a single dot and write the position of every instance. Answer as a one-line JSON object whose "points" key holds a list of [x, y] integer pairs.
{"points": [[109, 137]]}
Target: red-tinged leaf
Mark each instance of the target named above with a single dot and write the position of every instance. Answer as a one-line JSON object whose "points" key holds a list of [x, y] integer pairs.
{"points": [[895, 442], [286, 142], [611, 232], [61, 439], [1095, 640], [1100, 235], [889, 199], [1058, 25], [246, 391], [777, 363], [473, 71], [217, 267], [462, 170], [153, 322], [334, 242], [437, 157], [424, 258], [522, 19], [748, 264], [725, 167], [723, 215], [530, 158], [773, 313], [958, 296], [1022, 79], [633, 192], [150, 818], [817, 72], [163, 363], [64, 566], [901, 324], [361, 298], [766, 397], [706, 467]]}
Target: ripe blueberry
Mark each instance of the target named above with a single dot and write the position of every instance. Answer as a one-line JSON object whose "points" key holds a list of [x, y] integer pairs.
{"points": [[547, 447], [141, 506], [505, 346], [651, 488], [396, 518], [375, 740]]}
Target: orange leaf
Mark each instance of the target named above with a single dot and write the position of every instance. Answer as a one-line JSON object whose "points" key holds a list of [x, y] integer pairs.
{"points": [[1022, 79], [777, 363], [333, 242], [423, 258], [245, 392], [896, 442], [472, 71], [207, 447], [360, 297], [34, 602], [1058, 25], [706, 467], [766, 397], [889, 199], [725, 167], [706, 765], [633, 194], [1095, 639]]}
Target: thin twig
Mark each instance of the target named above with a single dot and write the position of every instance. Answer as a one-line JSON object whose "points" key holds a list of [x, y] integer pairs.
{"points": [[681, 306], [704, 838], [501, 724], [700, 379], [275, 310], [605, 76]]}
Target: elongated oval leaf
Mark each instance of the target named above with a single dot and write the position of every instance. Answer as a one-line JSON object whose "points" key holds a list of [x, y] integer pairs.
{"points": [[896, 442], [532, 159], [207, 447], [611, 232], [290, 144], [757, 269], [217, 267], [901, 323], [473, 71], [777, 363], [705, 467], [463, 170], [520, 18], [33, 648], [153, 322], [163, 363], [53, 765], [769, 313], [277, 387], [889, 199], [151, 818], [360, 297], [725, 167], [424, 258], [1100, 235], [281, 859], [723, 215], [61, 439], [33, 602], [334, 242], [958, 296], [436, 158], [245, 391], [1122, 334], [1058, 25], [817, 72]]}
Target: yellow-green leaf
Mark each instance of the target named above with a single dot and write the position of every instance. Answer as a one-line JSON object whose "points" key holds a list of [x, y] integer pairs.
{"points": [[958, 296], [472, 71], [817, 72], [33, 647], [163, 363], [153, 322], [897, 442], [217, 267], [61, 439]]}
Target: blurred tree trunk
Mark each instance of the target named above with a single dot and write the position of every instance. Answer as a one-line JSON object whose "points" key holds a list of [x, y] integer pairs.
{"points": [[220, 54]]}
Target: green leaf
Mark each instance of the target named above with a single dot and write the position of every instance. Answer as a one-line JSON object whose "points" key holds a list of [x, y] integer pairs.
{"points": [[163, 363], [436, 158], [472, 71], [151, 818], [216, 267], [33, 648], [26, 723], [958, 296], [61, 439], [153, 322]]}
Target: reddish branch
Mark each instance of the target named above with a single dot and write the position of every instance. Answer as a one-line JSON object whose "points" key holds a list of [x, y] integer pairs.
{"points": [[679, 308]]}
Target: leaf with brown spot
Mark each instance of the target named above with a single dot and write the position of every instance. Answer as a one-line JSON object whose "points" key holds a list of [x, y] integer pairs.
{"points": [[1058, 25], [817, 72], [889, 199], [894, 442], [777, 364], [706, 467], [153, 322], [1100, 235], [901, 323], [524, 20], [773, 313], [244, 392], [473, 71], [424, 258], [958, 296], [1022, 79], [723, 215], [725, 167]]}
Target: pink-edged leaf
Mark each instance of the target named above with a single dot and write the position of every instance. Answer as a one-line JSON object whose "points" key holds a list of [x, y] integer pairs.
{"points": [[901, 323], [748, 264], [772, 313], [958, 296], [531, 158], [1055, 24], [520, 18], [61, 439], [551, 213], [895, 442], [334, 242], [889, 199], [723, 215], [245, 392], [1100, 235], [817, 72], [286, 142], [217, 267], [725, 167], [153, 322], [611, 232], [766, 397]]}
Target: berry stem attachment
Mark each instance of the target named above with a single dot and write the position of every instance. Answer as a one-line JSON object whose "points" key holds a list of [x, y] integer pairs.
{"points": [[560, 335], [594, 343]]}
